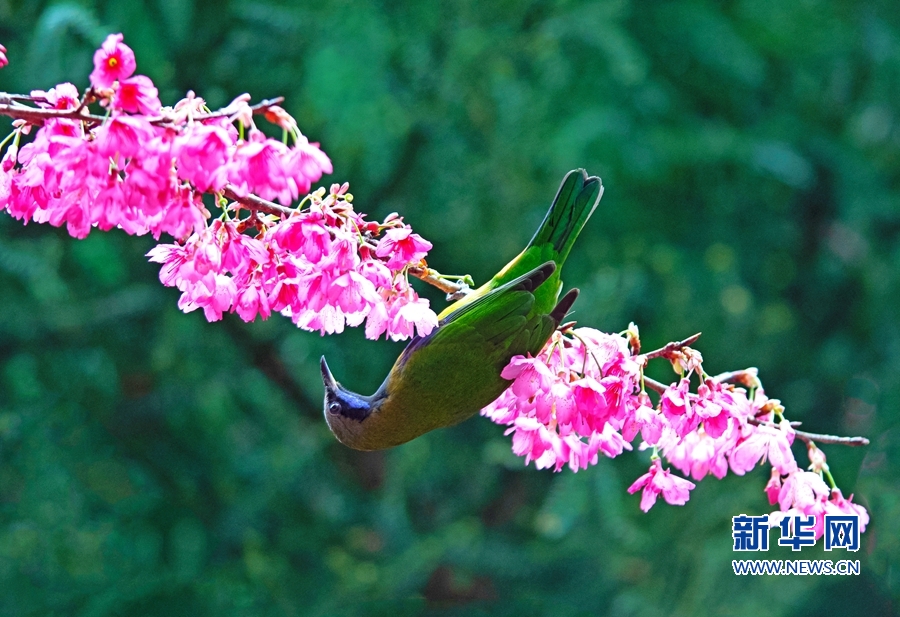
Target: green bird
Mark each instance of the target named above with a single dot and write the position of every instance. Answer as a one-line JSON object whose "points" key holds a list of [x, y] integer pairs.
{"points": [[447, 376]]}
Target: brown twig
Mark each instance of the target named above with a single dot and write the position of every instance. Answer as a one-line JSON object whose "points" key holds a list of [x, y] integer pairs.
{"points": [[256, 204], [656, 386], [34, 115], [258, 108], [807, 437], [671, 347], [844, 441], [746, 377], [5, 97], [433, 277]]}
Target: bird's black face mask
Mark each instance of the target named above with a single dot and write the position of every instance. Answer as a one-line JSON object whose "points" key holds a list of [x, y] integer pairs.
{"points": [[346, 404], [339, 401]]}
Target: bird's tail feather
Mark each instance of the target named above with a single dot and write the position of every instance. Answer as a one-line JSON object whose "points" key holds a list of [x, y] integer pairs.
{"points": [[575, 201], [562, 307]]}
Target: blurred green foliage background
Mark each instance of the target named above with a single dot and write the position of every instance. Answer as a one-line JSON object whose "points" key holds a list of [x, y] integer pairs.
{"points": [[154, 464]]}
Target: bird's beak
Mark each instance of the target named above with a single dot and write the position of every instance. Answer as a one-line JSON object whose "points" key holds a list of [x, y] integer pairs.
{"points": [[327, 377]]}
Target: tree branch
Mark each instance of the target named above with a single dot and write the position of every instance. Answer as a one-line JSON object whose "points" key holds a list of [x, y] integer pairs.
{"points": [[671, 347], [802, 435], [821, 438], [654, 385], [808, 438], [35, 115], [256, 204], [9, 106], [259, 108], [746, 377], [433, 277]]}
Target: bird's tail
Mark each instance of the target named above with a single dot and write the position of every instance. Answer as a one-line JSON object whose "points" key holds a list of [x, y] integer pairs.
{"points": [[575, 201]]}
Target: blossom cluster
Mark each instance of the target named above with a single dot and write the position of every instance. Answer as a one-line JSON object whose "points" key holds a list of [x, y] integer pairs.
{"points": [[569, 402], [585, 393], [143, 168], [321, 266]]}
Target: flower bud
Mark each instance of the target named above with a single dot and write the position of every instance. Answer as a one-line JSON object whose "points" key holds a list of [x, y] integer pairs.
{"points": [[816, 458]]}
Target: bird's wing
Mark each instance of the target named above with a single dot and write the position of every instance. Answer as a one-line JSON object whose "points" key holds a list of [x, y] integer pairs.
{"points": [[447, 376], [505, 300], [501, 316]]}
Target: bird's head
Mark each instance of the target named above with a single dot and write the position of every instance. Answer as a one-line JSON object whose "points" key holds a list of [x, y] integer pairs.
{"points": [[342, 402], [353, 418]]}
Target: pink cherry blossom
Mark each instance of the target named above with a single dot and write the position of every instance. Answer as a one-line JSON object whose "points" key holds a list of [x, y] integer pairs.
{"points": [[592, 403], [698, 454], [657, 481], [374, 270], [761, 442], [803, 491], [202, 154], [304, 164], [113, 61], [307, 234], [137, 94], [536, 442], [319, 281], [836, 504], [143, 170], [250, 302], [817, 460], [557, 402], [717, 404], [353, 293], [407, 314], [327, 320], [257, 168], [63, 96], [675, 404], [124, 137], [582, 454], [609, 441], [240, 253], [377, 321], [810, 498], [644, 418], [3, 60], [214, 301], [531, 377], [402, 247]]}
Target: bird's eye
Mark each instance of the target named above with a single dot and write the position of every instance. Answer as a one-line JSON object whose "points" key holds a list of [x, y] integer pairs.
{"points": [[334, 407]]}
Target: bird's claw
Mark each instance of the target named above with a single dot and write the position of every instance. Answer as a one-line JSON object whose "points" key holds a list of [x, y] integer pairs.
{"points": [[459, 294]]}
